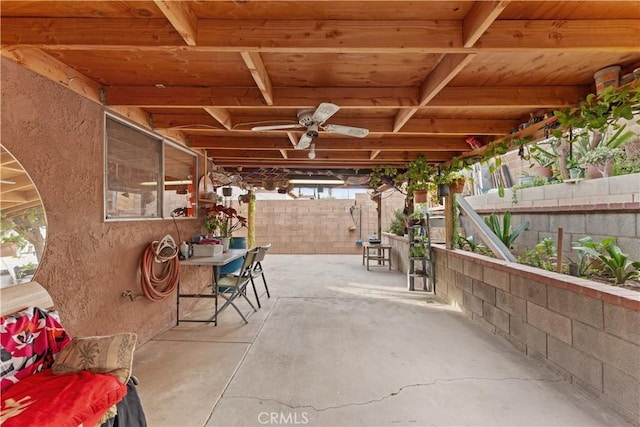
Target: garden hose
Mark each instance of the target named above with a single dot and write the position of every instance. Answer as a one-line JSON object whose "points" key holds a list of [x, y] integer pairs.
{"points": [[157, 287]]}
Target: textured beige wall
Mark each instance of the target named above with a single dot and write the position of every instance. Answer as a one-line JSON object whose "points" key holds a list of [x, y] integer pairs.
{"points": [[88, 263]]}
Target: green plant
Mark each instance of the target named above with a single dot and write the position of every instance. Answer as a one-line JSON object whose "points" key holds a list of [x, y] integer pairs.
{"points": [[585, 259], [398, 223], [470, 242], [596, 124], [543, 255], [385, 174], [502, 229], [420, 175], [25, 228], [613, 260], [417, 252], [537, 181], [602, 157]]}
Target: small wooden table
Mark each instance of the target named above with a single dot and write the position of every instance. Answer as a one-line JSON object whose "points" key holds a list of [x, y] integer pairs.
{"points": [[381, 253]]}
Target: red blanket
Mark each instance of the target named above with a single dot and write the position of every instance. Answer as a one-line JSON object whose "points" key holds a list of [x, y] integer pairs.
{"points": [[45, 399]]}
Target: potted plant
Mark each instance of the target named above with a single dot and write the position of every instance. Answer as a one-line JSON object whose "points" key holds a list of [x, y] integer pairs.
{"points": [[417, 218], [222, 221], [385, 175], [601, 120], [420, 179], [576, 171]]}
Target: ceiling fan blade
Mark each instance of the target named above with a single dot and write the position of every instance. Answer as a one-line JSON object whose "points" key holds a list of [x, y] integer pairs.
{"points": [[305, 142], [347, 130], [276, 127], [323, 112]]}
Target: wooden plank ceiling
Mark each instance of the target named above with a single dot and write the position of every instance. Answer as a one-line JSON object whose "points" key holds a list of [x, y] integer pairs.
{"points": [[420, 75]]}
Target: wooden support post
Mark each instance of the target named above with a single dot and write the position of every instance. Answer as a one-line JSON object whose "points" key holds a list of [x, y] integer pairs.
{"points": [[449, 220], [559, 251], [379, 209], [251, 221]]}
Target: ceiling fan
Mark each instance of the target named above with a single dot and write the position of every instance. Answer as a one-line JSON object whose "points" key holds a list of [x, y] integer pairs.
{"points": [[313, 120]]}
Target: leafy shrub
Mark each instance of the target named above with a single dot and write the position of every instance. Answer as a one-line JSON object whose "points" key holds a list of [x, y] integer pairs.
{"points": [[614, 261], [543, 255], [397, 224]]}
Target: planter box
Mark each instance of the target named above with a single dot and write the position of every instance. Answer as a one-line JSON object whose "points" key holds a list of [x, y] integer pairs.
{"points": [[207, 250]]}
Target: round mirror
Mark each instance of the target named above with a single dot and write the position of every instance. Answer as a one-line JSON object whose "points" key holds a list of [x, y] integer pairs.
{"points": [[22, 223]]}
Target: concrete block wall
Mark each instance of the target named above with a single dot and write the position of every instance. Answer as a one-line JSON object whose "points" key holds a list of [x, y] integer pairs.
{"points": [[604, 207], [320, 226], [586, 331]]}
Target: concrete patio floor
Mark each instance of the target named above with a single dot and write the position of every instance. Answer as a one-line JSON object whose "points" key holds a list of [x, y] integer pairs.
{"points": [[337, 345]]}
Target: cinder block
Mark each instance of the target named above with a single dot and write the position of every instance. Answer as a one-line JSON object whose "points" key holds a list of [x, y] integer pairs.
{"points": [[611, 350], [455, 295], [622, 392], [456, 264], [521, 346], [473, 270], [529, 289], [511, 304], [496, 278], [550, 322], [495, 316], [570, 223], [578, 363], [623, 225], [477, 318], [473, 303], [589, 187], [486, 292], [533, 337], [576, 306], [622, 322], [465, 282]]}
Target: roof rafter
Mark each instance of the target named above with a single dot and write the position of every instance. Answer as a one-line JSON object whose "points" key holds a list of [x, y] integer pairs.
{"points": [[181, 17]]}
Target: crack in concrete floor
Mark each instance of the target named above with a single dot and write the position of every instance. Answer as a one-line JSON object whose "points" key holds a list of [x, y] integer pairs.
{"points": [[392, 394]]}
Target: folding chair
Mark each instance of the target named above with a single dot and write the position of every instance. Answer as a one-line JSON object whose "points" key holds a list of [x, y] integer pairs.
{"points": [[257, 270], [235, 285]]}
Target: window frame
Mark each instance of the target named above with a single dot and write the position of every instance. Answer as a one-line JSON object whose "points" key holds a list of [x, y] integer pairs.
{"points": [[164, 142]]}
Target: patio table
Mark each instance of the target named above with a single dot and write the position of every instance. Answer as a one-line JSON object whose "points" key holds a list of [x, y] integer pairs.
{"points": [[216, 262]]}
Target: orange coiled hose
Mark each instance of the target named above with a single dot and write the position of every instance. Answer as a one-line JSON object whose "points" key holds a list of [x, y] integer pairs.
{"points": [[157, 287]]}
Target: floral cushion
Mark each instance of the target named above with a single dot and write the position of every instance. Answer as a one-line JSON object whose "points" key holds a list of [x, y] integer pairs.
{"points": [[29, 341]]}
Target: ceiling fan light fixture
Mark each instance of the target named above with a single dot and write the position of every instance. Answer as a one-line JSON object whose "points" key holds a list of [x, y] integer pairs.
{"points": [[312, 152]]}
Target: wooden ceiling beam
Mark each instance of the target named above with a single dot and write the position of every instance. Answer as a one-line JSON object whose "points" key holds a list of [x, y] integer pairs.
{"points": [[614, 35], [332, 144], [328, 36], [205, 124], [182, 17], [302, 98], [345, 97], [221, 115], [443, 73], [259, 72], [479, 19]]}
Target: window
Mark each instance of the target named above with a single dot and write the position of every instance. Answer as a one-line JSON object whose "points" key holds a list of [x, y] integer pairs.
{"points": [[145, 176]]}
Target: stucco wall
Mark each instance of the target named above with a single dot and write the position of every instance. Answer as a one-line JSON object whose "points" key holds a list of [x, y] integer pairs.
{"points": [[88, 263]]}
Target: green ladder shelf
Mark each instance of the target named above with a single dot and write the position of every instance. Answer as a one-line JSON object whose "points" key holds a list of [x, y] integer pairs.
{"points": [[421, 262]]}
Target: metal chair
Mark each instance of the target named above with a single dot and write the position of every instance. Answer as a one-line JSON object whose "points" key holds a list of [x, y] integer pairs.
{"points": [[257, 270], [235, 285]]}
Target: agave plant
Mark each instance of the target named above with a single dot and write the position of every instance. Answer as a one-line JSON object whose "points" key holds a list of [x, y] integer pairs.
{"points": [[503, 229], [613, 259]]}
